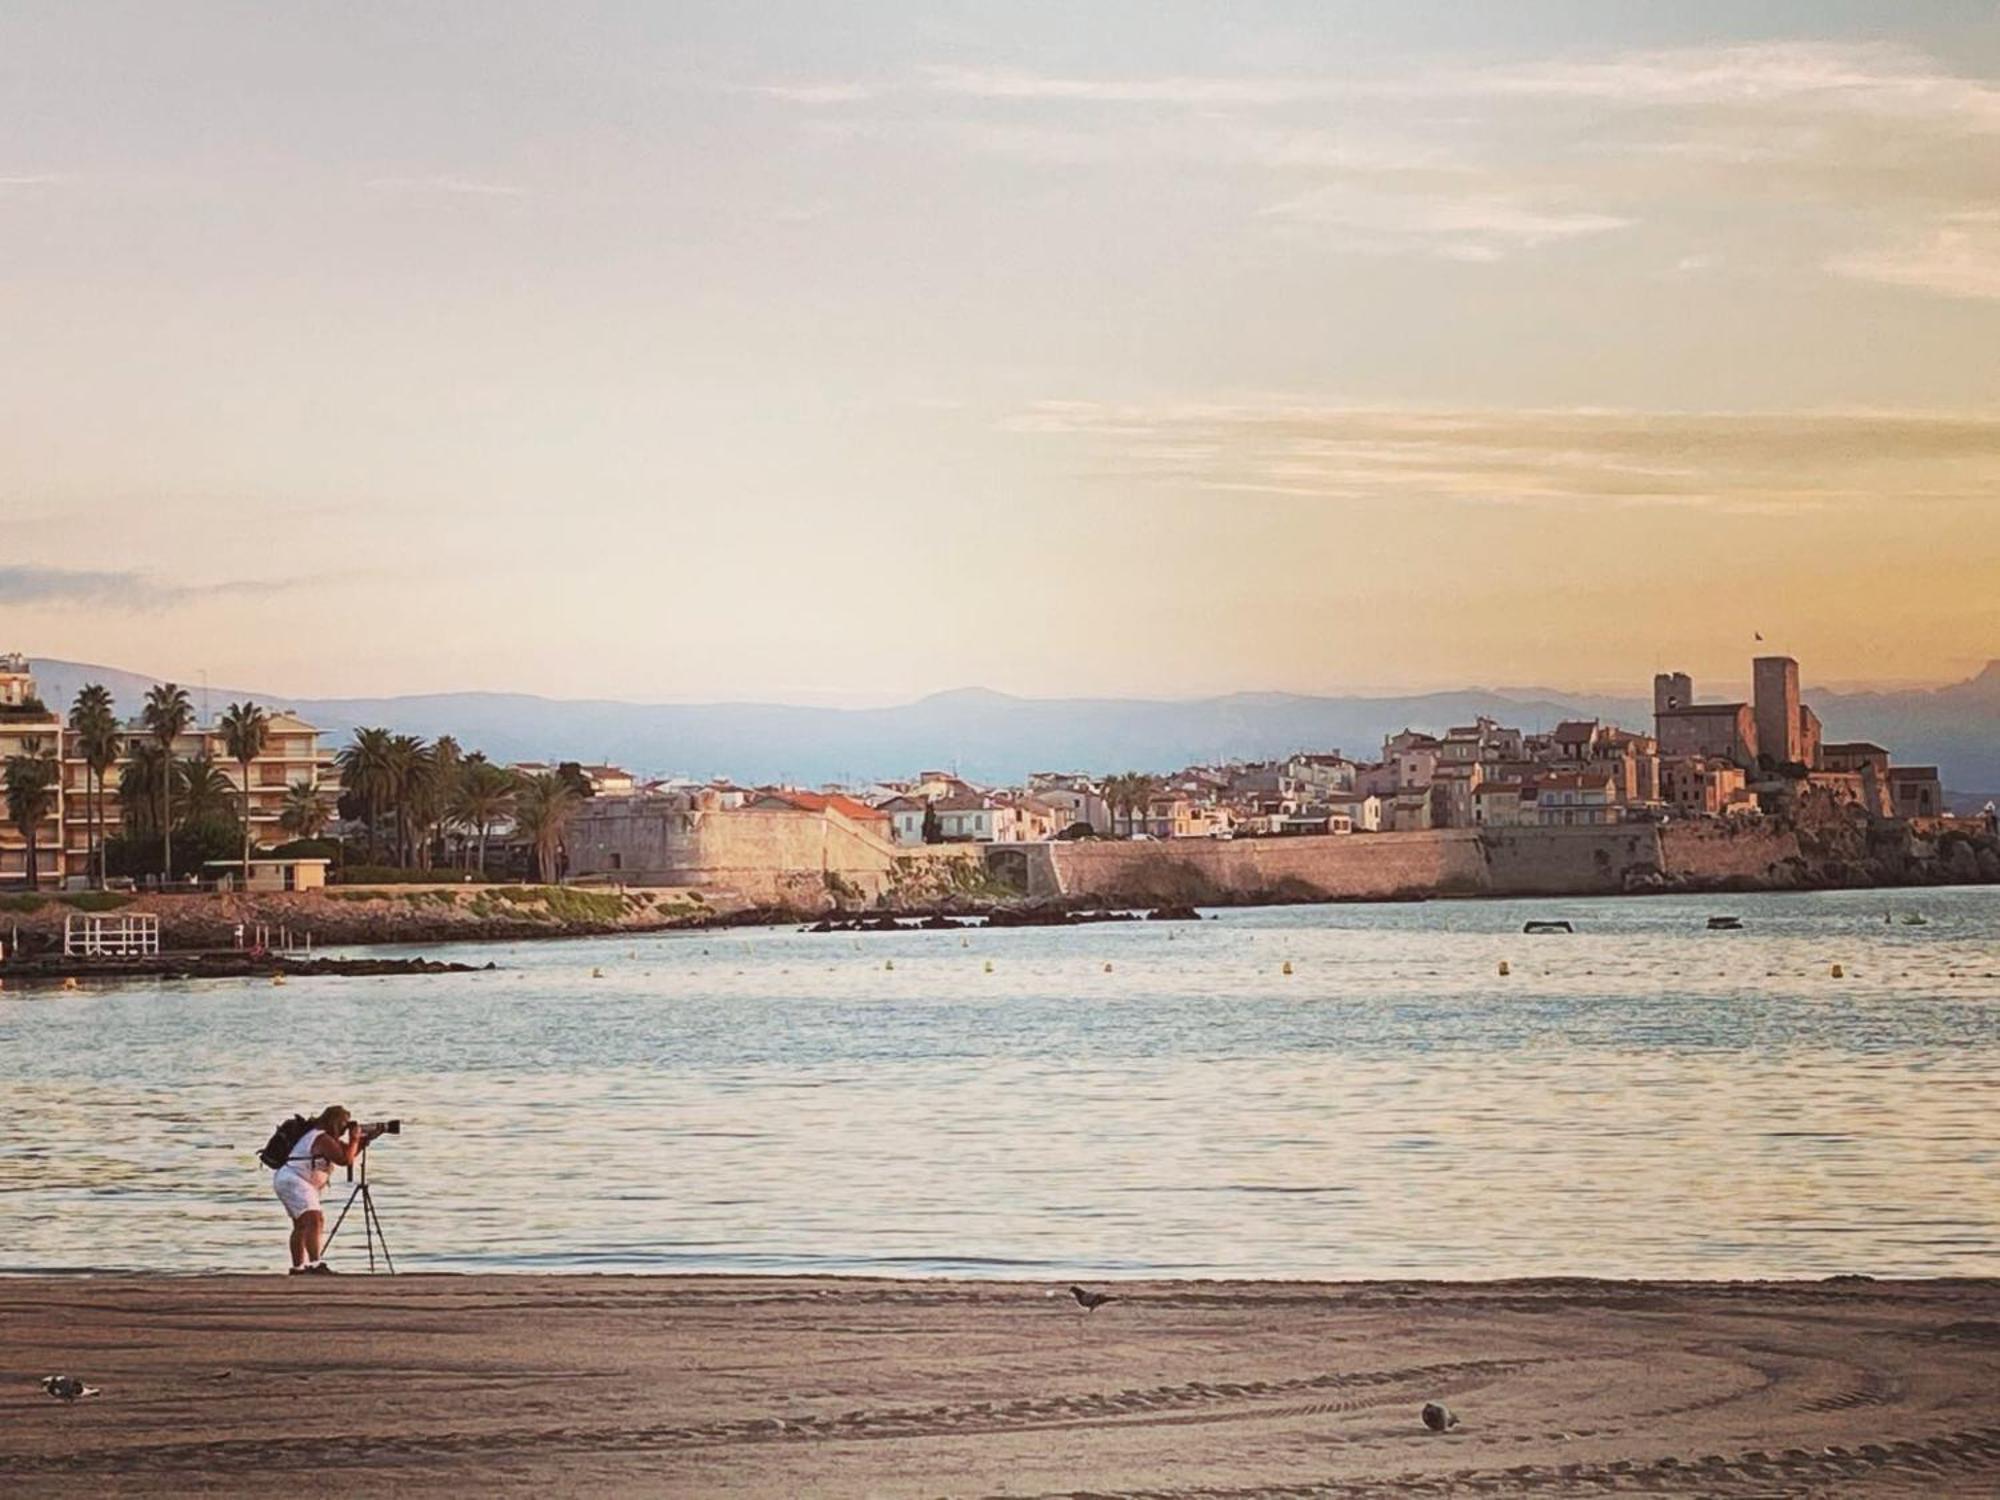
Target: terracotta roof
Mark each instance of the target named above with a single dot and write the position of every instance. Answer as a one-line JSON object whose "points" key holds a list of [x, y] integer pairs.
{"points": [[846, 806]]}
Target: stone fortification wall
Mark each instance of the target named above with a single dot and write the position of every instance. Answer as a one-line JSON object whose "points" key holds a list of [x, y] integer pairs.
{"points": [[1446, 862], [1352, 866], [760, 856], [1704, 854], [1571, 861]]}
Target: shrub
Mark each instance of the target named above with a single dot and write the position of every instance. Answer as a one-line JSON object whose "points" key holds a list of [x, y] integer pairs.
{"points": [[395, 875], [96, 900], [23, 902]]}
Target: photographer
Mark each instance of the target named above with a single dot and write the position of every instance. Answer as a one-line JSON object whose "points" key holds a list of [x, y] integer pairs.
{"points": [[332, 1140]]}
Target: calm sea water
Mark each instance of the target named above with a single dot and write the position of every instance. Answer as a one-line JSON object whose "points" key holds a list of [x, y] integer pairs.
{"points": [[1644, 1098]]}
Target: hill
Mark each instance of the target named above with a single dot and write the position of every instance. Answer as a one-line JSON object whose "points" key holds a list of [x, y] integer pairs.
{"points": [[994, 736]]}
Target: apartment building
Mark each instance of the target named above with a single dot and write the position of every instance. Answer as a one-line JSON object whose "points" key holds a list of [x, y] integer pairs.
{"points": [[291, 755]]}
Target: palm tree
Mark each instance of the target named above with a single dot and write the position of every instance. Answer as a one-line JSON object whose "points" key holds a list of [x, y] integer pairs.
{"points": [[206, 790], [95, 726], [367, 773], [414, 778], [139, 790], [31, 797], [447, 763], [542, 810], [167, 716], [305, 813], [1122, 793], [245, 729], [484, 795]]}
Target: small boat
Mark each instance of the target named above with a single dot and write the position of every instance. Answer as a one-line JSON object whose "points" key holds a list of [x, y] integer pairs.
{"points": [[1548, 927], [1915, 919], [1725, 924]]}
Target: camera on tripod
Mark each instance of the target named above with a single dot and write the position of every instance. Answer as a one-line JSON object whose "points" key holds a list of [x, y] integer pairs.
{"points": [[371, 1221]]}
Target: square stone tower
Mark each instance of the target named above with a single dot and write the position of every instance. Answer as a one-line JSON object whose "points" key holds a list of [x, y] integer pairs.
{"points": [[1777, 679], [1671, 691]]}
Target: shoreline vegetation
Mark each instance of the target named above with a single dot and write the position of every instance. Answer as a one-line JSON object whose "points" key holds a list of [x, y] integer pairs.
{"points": [[224, 927], [843, 1387]]}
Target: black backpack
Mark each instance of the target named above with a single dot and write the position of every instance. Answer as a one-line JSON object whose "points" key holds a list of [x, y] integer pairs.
{"points": [[278, 1150]]}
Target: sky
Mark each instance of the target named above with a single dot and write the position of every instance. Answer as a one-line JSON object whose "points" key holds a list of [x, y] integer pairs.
{"points": [[843, 353]]}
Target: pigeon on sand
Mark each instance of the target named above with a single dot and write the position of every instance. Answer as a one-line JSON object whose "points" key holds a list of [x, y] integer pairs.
{"points": [[1090, 1301], [68, 1387]]}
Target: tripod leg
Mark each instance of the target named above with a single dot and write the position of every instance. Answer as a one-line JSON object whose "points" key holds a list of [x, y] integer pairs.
{"points": [[375, 1215], [326, 1244]]}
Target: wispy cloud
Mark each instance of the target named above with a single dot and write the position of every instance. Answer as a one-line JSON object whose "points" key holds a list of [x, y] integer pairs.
{"points": [[1580, 459], [1474, 163], [823, 91], [1874, 78], [115, 589], [1011, 83], [1957, 257], [456, 186], [1480, 227], [32, 179]]}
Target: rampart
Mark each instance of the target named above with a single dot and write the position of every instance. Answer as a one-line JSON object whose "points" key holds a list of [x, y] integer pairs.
{"points": [[1378, 866], [1388, 866], [760, 856]]}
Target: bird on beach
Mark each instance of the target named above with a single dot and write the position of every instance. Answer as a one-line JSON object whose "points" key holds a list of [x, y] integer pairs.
{"points": [[68, 1387], [1090, 1301], [1439, 1418]]}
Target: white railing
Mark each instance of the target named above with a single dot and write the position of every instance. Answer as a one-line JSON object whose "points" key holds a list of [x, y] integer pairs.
{"points": [[102, 936]]}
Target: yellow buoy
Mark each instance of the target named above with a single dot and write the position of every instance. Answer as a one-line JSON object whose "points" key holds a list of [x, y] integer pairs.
{"points": [[888, 963], [1504, 970], [1838, 972], [277, 979], [1287, 968], [596, 973], [70, 983], [989, 966]]}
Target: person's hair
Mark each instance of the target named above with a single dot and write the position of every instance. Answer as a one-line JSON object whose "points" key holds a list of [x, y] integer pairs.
{"points": [[333, 1119]]}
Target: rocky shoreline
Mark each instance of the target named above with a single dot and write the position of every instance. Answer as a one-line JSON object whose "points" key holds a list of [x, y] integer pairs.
{"points": [[70, 971]]}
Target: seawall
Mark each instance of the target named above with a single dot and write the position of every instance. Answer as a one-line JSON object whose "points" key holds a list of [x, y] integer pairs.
{"points": [[1634, 857]]}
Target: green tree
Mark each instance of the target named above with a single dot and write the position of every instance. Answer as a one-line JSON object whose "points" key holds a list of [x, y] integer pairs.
{"points": [[99, 741], [367, 775], [572, 774], [305, 813], [32, 784], [140, 793], [414, 785], [167, 715], [206, 791], [933, 824], [484, 795], [246, 729], [542, 810], [447, 765]]}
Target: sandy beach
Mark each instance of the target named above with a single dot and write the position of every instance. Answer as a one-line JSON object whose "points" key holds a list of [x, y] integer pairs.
{"points": [[791, 1386]]}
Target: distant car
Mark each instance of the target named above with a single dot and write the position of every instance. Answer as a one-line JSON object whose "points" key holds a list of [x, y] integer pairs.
{"points": [[1142, 838]]}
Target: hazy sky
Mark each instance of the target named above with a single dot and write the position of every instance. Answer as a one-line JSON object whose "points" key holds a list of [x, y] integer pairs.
{"points": [[854, 351]]}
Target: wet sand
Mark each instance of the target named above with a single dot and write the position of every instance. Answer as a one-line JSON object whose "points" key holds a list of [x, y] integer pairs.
{"points": [[723, 1386]]}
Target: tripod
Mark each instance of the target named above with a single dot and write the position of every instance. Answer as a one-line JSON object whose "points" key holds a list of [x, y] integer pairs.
{"points": [[371, 1221]]}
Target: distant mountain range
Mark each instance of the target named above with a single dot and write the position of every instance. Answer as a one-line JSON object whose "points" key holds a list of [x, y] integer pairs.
{"points": [[990, 736]]}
